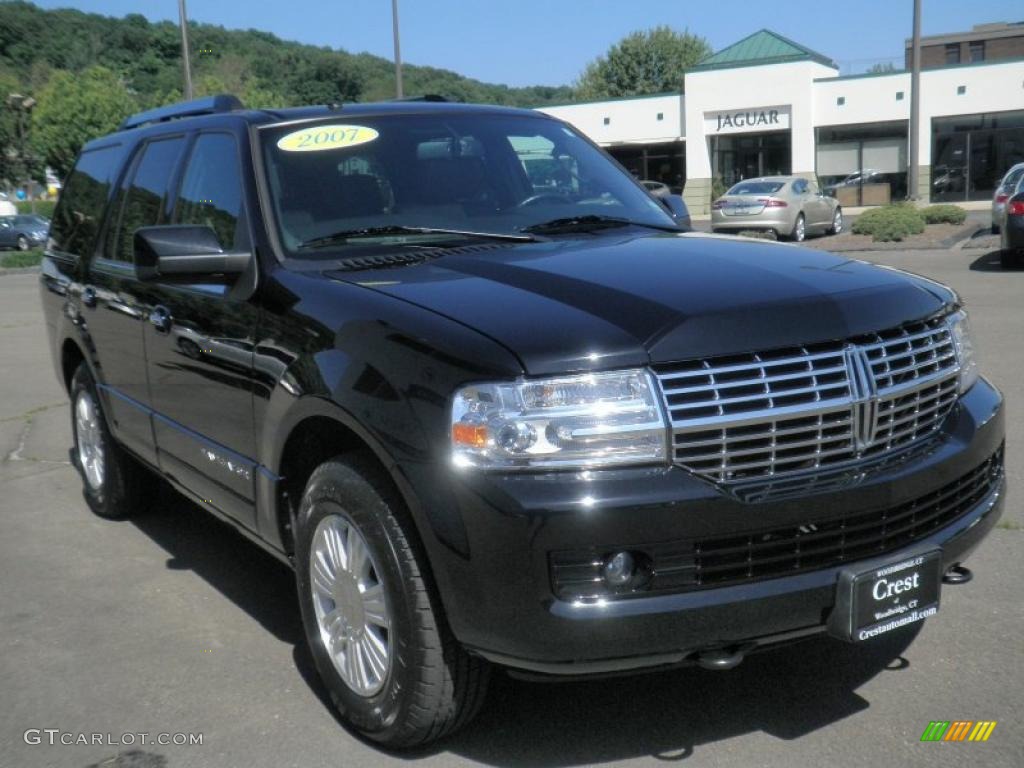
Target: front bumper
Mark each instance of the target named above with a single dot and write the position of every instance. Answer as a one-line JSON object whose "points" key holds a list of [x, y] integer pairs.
{"points": [[495, 572]]}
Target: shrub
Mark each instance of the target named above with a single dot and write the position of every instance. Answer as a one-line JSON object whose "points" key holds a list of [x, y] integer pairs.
{"points": [[944, 214], [20, 259], [43, 207], [718, 188], [893, 222]]}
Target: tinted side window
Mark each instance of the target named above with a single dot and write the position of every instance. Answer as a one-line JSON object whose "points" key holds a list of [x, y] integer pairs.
{"points": [[145, 195], [211, 190], [77, 218]]}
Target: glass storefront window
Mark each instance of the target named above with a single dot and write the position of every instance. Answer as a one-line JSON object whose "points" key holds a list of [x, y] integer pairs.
{"points": [[971, 153], [863, 164], [749, 155], [664, 162]]}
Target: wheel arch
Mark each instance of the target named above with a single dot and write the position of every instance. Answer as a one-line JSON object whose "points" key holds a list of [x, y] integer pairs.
{"points": [[316, 430], [71, 356]]}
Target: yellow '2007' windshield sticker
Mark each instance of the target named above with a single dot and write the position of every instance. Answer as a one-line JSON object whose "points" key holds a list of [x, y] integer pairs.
{"points": [[320, 137]]}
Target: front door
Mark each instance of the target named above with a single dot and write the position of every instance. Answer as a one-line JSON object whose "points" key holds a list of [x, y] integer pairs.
{"points": [[199, 346]]}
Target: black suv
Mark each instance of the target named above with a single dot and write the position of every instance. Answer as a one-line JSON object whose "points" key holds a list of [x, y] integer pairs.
{"points": [[465, 375]]}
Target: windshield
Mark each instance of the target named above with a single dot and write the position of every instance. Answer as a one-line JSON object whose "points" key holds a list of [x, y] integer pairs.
{"points": [[756, 188], [366, 181]]}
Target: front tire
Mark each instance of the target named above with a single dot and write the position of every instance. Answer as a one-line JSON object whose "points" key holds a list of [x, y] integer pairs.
{"points": [[380, 644], [799, 232], [115, 485], [837, 222], [23, 243]]}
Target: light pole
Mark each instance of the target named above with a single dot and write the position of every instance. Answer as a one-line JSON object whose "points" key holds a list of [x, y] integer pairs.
{"points": [[914, 140], [24, 106], [187, 67], [398, 50]]}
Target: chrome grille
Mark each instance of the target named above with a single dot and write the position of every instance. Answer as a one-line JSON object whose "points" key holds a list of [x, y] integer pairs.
{"points": [[765, 414]]}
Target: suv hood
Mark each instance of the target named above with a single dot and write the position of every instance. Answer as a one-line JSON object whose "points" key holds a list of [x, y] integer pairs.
{"points": [[615, 300]]}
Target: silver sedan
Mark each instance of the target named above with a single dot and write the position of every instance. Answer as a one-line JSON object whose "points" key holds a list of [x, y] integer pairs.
{"points": [[791, 206]]}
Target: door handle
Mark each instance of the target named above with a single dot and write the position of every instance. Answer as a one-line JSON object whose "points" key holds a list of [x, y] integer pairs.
{"points": [[89, 296], [160, 318]]}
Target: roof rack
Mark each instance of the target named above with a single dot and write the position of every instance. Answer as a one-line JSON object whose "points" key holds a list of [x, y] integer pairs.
{"points": [[424, 97], [208, 105]]}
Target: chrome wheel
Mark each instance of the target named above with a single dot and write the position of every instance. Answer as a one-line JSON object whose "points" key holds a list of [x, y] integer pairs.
{"points": [[23, 243], [800, 231], [349, 603], [89, 436], [837, 222]]}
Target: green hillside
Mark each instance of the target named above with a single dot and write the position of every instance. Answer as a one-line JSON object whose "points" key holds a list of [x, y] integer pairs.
{"points": [[261, 68]]}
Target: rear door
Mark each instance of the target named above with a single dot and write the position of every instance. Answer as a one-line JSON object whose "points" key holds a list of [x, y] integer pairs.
{"points": [[115, 303], [199, 345], [821, 205]]}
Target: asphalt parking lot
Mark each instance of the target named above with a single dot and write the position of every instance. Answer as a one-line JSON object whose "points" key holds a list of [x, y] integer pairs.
{"points": [[174, 624]]}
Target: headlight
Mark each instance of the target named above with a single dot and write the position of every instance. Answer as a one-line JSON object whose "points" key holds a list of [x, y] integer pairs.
{"points": [[588, 420], [960, 329]]}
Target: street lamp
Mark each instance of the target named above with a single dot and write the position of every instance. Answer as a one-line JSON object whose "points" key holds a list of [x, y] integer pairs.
{"points": [[186, 65], [914, 140], [398, 52], [23, 105]]}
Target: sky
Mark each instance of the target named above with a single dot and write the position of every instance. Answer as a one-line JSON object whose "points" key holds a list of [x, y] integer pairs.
{"points": [[549, 42]]}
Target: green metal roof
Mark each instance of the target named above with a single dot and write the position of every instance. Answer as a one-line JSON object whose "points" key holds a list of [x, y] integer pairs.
{"points": [[762, 47]]}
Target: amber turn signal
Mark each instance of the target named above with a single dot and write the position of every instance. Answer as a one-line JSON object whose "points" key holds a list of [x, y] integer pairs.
{"points": [[471, 435]]}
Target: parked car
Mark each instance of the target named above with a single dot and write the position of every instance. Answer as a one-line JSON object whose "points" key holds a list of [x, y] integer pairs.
{"points": [[490, 426], [672, 201], [857, 178], [1011, 235], [24, 232], [948, 180], [1004, 189], [790, 206]]}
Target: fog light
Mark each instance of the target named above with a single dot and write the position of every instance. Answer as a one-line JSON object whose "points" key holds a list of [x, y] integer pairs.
{"points": [[619, 569]]}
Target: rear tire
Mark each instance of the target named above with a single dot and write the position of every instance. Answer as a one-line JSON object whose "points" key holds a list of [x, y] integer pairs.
{"points": [[115, 485], [23, 243], [1010, 259], [799, 232], [427, 686]]}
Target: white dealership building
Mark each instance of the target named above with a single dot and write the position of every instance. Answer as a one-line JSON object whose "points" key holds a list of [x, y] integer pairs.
{"points": [[768, 105]]}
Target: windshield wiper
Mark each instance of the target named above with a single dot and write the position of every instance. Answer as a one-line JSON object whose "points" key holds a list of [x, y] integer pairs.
{"points": [[591, 223], [354, 234]]}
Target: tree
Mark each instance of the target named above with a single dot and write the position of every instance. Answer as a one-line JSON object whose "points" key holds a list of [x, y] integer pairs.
{"points": [[72, 110], [641, 63]]}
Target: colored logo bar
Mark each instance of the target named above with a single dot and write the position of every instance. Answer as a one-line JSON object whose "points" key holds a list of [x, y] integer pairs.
{"points": [[958, 730]]}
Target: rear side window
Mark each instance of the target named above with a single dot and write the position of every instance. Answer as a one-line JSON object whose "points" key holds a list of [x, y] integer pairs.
{"points": [[145, 195], [211, 190], [77, 218], [799, 186]]}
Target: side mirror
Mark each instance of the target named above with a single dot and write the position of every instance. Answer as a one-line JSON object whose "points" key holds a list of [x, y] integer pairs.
{"points": [[184, 251], [677, 209]]}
